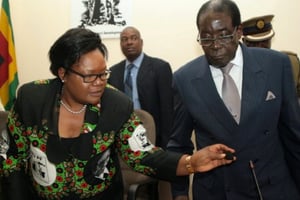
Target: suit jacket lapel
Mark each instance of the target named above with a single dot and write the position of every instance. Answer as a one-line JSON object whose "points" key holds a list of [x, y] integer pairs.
{"points": [[253, 87], [143, 70], [204, 83]]}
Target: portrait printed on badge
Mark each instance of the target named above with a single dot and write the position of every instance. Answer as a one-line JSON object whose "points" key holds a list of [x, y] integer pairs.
{"points": [[139, 141]]}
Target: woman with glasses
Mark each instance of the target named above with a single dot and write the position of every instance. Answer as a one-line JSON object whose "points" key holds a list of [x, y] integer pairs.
{"points": [[64, 134]]}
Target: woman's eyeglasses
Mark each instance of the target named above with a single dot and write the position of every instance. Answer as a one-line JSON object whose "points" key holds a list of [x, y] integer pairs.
{"points": [[89, 78]]}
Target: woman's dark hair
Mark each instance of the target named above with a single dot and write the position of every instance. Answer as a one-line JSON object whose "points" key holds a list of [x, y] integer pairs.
{"points": [[224, 6], [69, 47]]}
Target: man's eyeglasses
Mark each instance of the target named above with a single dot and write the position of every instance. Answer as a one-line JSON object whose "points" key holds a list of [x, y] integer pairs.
{"points": [[225, 39], [89, 78]]}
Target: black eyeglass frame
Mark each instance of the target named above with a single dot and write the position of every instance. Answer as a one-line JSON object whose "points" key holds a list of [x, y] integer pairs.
{"points": [[89, 78], [223, 40]]}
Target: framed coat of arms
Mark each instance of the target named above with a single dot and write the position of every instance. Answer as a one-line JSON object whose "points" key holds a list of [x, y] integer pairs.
{"points": [[106, 17]]}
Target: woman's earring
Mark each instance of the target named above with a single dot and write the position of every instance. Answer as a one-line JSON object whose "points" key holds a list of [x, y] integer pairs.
{"points": [[62, 80]]}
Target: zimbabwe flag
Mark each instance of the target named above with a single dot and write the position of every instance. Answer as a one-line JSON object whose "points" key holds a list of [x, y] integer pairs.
{"points": [[8, 67]]}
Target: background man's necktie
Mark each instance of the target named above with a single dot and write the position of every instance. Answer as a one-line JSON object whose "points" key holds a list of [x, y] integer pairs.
{"points": [[230, 93], [128, 81]]}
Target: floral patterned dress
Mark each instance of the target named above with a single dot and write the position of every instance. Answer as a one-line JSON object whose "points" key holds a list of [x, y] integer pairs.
{"points": [[85, 167]]}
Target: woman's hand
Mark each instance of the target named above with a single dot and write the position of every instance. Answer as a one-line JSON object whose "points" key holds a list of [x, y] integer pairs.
{"points": [[206, 159], [211, 157]]}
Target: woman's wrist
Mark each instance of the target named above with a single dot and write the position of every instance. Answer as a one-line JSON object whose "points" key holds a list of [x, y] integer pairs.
{"points": [[188, 164]]}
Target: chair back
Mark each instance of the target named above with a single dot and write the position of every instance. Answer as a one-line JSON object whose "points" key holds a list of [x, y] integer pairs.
{"points": [[130, 177], [3, 120]]}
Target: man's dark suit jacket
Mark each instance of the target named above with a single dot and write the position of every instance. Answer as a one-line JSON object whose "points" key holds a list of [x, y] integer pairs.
{"points": [[154, 85], [268, 132]]}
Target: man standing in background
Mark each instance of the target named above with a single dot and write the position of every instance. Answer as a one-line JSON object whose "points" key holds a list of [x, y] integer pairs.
{"points": [[258, 32], [150, 82]]}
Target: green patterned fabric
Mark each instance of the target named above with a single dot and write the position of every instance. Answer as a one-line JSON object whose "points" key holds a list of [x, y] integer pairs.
{"points": [[57, 171]]}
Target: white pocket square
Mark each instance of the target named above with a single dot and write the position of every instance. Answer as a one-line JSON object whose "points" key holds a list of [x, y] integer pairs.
{"points": [[270, 96]]}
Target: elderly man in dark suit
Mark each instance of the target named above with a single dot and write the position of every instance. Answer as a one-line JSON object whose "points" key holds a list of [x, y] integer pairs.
{"points": [[150, 85], [263, 125]]}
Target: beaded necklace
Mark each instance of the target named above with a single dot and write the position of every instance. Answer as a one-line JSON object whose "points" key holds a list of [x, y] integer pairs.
{"points": [[70, 110]]}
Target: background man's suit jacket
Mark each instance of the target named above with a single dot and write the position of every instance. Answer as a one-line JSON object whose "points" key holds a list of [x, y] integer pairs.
{"points": [[154, 85], [268, 133]]}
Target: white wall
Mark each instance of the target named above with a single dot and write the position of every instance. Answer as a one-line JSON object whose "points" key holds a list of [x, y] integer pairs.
{"points": [[167, 27]]}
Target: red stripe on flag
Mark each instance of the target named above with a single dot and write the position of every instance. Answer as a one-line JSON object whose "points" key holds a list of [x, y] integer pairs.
{"points": [[5, 59]]}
